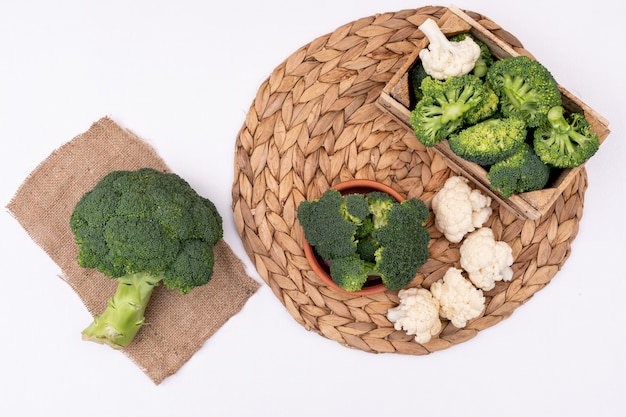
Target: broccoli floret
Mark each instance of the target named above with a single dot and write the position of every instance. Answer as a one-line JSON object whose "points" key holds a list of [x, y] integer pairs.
{"points": [[526, 89], [484, 60], [426, 120], [379, 204], [403, 244], [350, 272], [488, 108], [142, 228], [523, 171], [565, 143], [337, 238], [444, 106], [355, 208], [420, 209], [489, 141]]}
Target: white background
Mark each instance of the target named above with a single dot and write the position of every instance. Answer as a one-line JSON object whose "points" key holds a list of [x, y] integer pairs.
{"points": [[182, 75]]}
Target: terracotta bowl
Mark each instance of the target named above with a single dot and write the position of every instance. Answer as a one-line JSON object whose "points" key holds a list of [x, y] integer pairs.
{"points": [[373, 285]]}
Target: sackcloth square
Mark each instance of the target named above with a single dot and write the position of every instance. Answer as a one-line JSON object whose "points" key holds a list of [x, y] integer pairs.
{"points": [[178, 325]]}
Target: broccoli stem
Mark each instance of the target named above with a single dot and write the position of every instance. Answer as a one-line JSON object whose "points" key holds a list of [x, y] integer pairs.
{"points": [[481, 67], [456, 106], [454, 111], [517, 92], [556, 117], [124, 315]]}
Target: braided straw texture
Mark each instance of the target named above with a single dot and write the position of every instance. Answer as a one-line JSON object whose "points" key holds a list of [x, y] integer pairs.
{"points": [[314, 123]]}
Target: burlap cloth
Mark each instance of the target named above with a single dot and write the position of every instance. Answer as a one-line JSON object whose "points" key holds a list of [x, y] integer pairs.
{"points": [[178, 325]]}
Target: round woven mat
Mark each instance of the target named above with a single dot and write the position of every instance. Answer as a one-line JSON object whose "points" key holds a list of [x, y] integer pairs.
{"points": [[314, 123]]}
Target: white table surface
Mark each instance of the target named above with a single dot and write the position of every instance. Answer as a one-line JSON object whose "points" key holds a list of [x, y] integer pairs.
{"points": [[182, 75]]}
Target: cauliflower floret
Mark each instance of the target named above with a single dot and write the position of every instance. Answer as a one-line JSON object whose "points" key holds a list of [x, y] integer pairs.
{"points": [[459, 300], [417, 314], [443, 59], [485, 259], [459, 209]]}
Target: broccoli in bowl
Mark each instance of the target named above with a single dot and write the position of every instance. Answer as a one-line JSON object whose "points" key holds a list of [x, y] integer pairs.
{"points": [[369, 241]]}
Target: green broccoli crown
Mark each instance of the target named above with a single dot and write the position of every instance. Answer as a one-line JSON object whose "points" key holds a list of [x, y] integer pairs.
{"points": [[349, 272], [565, 142], [147, 221], [403, 244], [444, 105], [336, 238], [420, 209], [489, 141], [526, 89], [355, 208], [523, 171]]}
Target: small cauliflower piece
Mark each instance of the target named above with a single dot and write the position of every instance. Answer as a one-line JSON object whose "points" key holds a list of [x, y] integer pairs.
{"points": [[444, 59], [459, 209], [417, 314], [485, 259], [459, 300]]}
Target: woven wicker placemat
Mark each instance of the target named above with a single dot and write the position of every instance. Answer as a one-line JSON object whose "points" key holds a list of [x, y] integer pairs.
{"points": [[314, 123]]}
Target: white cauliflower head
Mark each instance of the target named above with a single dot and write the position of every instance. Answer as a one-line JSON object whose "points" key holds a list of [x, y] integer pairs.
{"points": [[459, 300], [444, 59], [459, 209], [417, 314], [485, 259]]}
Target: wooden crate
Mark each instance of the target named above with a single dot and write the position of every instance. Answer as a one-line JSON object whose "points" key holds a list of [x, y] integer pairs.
{"points": [[395, 100]]}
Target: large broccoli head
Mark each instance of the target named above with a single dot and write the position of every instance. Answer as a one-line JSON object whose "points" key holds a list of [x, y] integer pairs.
{"points": [[144, 227], [526, 88]]}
